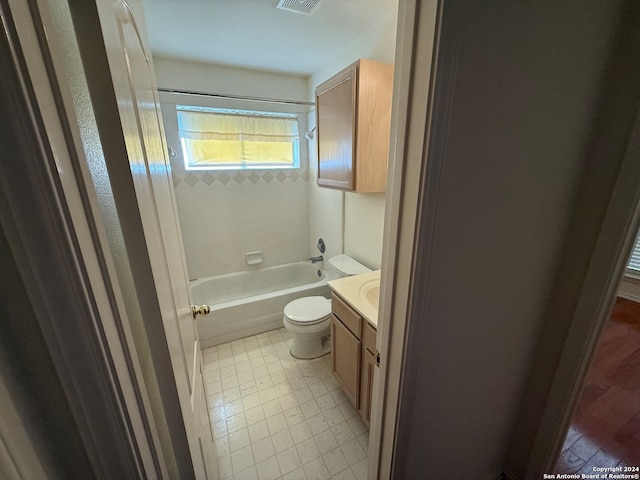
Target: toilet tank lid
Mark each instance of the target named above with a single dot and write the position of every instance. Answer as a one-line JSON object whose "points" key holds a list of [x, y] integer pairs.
{"points": [[347, 265]]}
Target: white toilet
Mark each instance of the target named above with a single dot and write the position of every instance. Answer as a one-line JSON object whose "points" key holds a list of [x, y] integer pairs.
{"points": [[308, 319]]}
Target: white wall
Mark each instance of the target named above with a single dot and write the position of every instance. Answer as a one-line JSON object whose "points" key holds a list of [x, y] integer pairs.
{"points": [[520, 171], [363, 213], [210, 78], [325, 208]]}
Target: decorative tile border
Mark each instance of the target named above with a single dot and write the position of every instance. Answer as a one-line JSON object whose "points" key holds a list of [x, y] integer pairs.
{"points": [[238, 177]]}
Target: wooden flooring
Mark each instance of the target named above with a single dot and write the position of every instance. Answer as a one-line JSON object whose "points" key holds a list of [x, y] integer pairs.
{"points": [[605, 430]]}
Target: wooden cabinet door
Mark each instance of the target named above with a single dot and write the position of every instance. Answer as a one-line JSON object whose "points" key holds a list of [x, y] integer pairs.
{"points": [[346, 357], [336, 124], [368, 369], [366, 384]]}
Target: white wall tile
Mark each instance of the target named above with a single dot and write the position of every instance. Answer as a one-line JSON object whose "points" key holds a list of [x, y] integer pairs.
{"points": [[224, 215]]}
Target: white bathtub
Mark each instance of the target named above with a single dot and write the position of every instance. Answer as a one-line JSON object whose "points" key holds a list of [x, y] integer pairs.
{"points": [[248, 303]]}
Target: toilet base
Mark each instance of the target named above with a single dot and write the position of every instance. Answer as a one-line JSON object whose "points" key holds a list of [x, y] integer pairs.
{"points": [[307, 349]]}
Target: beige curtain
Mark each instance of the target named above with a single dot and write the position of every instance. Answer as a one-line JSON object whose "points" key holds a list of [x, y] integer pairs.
{"points": [[212, 138]]}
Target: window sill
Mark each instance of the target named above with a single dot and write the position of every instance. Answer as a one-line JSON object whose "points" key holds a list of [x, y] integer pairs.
{"points": [[632, 277]]}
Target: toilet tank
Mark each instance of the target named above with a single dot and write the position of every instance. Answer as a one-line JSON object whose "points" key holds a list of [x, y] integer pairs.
{"points": [[346, 266]]}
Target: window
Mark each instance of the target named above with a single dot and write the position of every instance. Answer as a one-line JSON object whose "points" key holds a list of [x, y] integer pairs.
{"points": [[633, 267], [215, 138]]}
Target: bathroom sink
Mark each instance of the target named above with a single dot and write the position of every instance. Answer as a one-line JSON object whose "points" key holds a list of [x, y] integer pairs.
{"points": [[369, 292]]}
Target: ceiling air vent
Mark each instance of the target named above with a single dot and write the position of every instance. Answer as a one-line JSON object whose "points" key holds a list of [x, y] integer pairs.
{"points": [[305, 7]]}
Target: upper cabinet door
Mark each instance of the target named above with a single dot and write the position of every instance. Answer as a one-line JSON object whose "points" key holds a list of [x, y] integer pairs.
{"points": [[353, 118], [336, 125]]}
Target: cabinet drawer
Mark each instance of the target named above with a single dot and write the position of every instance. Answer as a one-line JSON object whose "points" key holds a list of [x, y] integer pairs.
{"points": [[351, 319], [369, 337]]}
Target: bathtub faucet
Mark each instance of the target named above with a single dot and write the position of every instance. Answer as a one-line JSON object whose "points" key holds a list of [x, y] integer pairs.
{"points": [[316, 259]]}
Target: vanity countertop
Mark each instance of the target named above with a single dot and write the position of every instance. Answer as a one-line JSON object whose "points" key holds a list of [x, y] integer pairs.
{"points": [[361, 292]]}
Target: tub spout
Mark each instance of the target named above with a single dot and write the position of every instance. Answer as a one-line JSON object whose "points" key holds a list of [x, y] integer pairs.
{"points": [[317, 259]]}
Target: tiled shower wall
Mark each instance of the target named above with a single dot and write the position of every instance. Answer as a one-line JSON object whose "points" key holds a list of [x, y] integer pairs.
{"points": [[226, 214]]}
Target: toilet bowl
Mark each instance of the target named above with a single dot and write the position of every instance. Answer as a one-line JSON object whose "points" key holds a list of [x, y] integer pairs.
{"points": [[308, 319]]}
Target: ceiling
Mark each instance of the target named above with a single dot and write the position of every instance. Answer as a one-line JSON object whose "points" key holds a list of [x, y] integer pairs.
{"points": [[254, 34]]}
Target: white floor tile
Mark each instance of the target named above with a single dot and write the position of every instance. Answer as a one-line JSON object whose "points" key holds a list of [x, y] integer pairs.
{"points": [[239, 439], [242, 459], [277, 417], [310, 408], [222, 446], [229, 371], [220, 429], [342, 432], [237, 422], [276, 423], [282, 440], [333, 416], [229, 382], [325, 402], [278, 377], [251, 401], [263, 449], [308, 450], [357, 425], [319, 389], [293, 416], [295, 475], [303, 395], [364, 441], [248, 474], [353, 451], [245, 380], [289, 460], [347, 410], [338, 396], [316, 470], [224, 467], [254, 415], [288, 401], [258, 431], [263, 381], [300, 432], [317, 424], [268, 469], [344, 475], [326, 441], [361, 469], [335, 461], [272, 408]]}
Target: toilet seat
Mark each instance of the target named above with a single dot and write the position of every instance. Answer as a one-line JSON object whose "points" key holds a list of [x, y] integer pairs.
{"points": [[308, 310]]}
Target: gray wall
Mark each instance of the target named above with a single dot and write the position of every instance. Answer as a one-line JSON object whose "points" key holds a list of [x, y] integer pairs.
{"points": [[519, 88]]}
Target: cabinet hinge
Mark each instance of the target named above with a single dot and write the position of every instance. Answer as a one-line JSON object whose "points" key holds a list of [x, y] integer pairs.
{"points": [[378, 359]]}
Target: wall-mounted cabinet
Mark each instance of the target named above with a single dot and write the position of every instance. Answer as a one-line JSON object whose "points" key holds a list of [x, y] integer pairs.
{"points": [[353, 120]]}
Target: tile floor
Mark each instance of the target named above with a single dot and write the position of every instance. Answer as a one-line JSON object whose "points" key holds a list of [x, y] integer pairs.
{"points": [[276, 417]]}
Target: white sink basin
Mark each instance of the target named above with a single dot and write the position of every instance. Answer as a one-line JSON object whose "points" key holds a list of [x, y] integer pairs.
{"points": [[369, 292]]}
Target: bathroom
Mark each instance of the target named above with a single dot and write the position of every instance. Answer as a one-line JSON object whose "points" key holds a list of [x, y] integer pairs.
{"points": [[238, 225]]}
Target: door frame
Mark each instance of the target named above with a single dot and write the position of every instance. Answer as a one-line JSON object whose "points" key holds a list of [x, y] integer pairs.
{"points": [[63, 267], [410, 122], [418, 23], [537, 442]]}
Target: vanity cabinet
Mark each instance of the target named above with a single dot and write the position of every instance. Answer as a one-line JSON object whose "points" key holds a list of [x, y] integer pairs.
{"points": [[353, 358], [353, 121]]}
